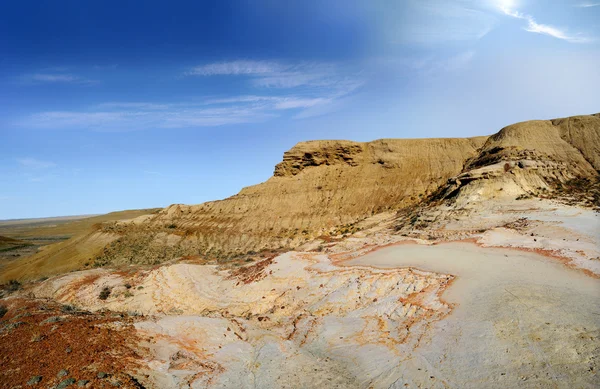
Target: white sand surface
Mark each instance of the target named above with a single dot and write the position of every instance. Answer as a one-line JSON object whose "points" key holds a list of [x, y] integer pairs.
{"points": [[520, 319]]}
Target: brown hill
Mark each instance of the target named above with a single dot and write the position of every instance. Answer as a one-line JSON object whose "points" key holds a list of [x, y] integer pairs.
{"points": [[325, 187], [529, 158], [7, 243], [319, 186], [54, 253]]}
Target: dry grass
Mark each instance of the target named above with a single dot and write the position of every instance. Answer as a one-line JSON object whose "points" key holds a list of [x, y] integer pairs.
{"points": [[85, 243], [64, 227]]}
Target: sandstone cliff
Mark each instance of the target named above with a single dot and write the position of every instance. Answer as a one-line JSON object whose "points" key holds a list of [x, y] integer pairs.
{"points": [[326, 187], [319, 186], [529, 158]]}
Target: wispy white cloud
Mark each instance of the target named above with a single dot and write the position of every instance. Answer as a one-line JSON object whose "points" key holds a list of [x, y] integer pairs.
{"points": [[53, 77], [299, 86], [292, 103], [275, 102], [273, 74], [587, 5], [429, 65], [145, 106], [35, 163], [435, 21], [137, 119], [56, 78], [240, 67], [538, 28], [210, 112]]}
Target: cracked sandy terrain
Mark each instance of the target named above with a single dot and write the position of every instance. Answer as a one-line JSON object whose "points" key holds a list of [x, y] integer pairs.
{"points": [[520, 319], [306, 322]]}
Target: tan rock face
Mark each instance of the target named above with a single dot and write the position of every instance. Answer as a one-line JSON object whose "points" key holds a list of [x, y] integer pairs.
{"points": [[319, 186], [573, 141], [326, 187]]}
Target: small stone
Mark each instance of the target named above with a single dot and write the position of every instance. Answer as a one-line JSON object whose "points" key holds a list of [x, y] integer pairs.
{"points": [[82, 383], [53, 319], [65, 383], [102, 375], [68, 350], [12, 326], [62, 373], [34, 380]]}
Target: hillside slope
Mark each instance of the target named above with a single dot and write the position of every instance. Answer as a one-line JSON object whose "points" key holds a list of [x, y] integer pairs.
{"points": [[318, 187], [323, 188], [52, 253], [530, 159], [7, 243]]}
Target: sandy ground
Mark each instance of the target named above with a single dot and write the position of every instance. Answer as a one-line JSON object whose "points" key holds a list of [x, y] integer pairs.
{"points": [[375, 310], [520, 319], [297, 321]]}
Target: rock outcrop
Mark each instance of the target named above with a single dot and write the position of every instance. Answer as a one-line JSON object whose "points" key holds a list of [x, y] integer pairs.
{"points": [[324, 188], [530, 158], [318, 187]]}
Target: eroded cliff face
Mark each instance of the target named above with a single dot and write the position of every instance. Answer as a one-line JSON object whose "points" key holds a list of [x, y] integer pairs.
{"points": [[317, 153], [530, 159], [320, 187], [324, 188]]}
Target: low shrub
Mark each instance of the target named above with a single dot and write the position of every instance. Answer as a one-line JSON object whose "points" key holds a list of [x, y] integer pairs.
{"points": [[13, 286], [104, 293]]}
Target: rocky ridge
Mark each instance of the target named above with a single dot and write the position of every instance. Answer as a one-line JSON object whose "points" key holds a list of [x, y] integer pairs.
{"points": [[329, 189]]}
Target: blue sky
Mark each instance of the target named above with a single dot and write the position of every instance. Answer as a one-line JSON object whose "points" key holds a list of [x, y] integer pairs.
{"points": [[110, 105]]}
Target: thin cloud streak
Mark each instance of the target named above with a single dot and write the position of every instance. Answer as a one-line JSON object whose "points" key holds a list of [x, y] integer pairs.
{"points": [[234, 68], [129, 120], [35, 163], [587, 5], [144, 106], [138, 116], [435, 21], [307, 86], [544, 29], [56, 78], [280, 103], [272, 74]]}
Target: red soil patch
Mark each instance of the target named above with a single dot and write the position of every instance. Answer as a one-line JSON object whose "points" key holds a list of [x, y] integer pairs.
{"points": [[251, 273], [41, 338], [78, 285]]}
